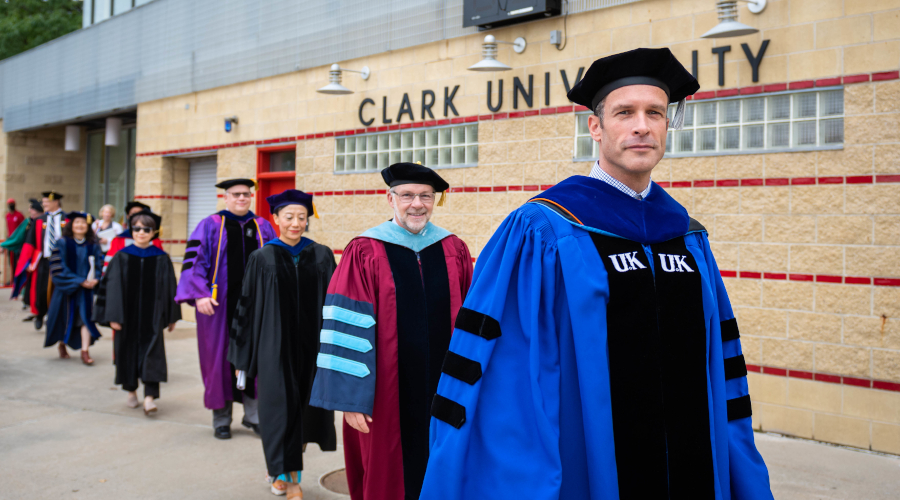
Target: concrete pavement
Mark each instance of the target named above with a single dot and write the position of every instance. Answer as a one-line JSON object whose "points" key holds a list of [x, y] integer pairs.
{"points": [[65, 432]]}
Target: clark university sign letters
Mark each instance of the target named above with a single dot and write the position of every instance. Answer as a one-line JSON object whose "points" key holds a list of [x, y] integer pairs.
{"points": [[525, 90]]}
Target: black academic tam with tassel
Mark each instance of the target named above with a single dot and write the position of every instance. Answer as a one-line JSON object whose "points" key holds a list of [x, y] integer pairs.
{"points": [[414, 173]]}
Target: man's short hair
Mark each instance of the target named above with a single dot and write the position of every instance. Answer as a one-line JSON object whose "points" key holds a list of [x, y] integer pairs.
{"points": [[598, 111]]}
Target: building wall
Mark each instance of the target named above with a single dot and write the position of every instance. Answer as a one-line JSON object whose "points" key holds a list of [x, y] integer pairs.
{"points": [[36, 161], [808, 242]]}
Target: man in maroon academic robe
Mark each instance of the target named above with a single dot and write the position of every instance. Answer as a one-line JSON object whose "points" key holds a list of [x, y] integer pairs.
{"points": [[211, 277], [388, 316]]}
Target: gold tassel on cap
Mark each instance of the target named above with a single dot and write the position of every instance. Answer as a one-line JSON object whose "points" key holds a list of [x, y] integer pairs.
{"points": [[315, 211], [440, 202], [89, 219]]}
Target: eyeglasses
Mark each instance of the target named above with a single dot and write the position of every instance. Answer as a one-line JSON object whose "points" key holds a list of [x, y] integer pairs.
{"points": [[244, 194], [427, 198], [142, 229]]}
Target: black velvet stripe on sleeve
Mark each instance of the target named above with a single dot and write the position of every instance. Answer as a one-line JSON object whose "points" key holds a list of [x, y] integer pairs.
{"points": [[186, 266], [448, 411], [193, 243], [477, 323], [190, 255], [730, 330], [461, 368], [735, 367], [739, 408]]}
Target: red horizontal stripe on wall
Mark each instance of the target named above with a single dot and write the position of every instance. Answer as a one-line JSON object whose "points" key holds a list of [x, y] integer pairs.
{"points": [[824, 278], [856, 79], [775, 276], [803, 181], [751, 274], [857, 280], [805, 84], [885, 386], [801, 277], [754, 368], [800, 374], [751, 90], [890, 75], [831, 180], [728, 274], [886, 282], [828, 82], [752, 182], [778, 182], [858, 382], [769, 370], [824, 377]]}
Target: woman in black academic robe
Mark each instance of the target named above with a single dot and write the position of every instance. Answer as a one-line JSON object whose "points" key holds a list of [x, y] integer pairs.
{"points": [[75, 270], [138, 301], [275, 337]]}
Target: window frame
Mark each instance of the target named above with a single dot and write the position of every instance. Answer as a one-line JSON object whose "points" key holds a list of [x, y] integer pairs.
{"points": [[670, 134], [413, 148]]}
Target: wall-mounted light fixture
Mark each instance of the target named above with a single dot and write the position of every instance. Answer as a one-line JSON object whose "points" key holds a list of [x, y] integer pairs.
{"points": [[230, 122], [489, 54], [334, 86], [113, 129], [728, 25], [73, 137]]}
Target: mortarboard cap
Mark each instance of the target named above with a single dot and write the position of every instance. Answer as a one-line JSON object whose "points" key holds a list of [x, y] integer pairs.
{"points": [[292, 197], [52, 195], [131, 205], [80, 215], [230, 183], [414, 173], [35, 205], [656, 67]]}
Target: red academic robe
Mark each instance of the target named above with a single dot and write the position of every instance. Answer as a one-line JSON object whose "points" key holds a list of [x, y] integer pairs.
{"points": [[32, 251], [388, 317]]}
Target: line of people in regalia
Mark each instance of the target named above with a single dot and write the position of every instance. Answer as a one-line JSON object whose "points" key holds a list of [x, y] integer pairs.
{"points": [[281, 328]]}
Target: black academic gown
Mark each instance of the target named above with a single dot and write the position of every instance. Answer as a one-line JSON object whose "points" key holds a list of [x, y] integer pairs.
{"points": [[139, 287], [275, 337]]}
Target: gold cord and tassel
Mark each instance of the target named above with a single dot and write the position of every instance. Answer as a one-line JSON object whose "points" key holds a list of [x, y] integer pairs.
{"points": [[215, 285], [440, 202]]}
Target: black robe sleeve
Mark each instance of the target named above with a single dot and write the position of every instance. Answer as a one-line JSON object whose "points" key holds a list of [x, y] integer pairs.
{"points": [[168, 311], [110, 306], [254, 315]]}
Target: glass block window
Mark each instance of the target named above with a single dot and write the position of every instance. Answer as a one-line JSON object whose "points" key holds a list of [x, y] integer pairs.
{"points": [[435, 147], [756, 124], [794, 121]]}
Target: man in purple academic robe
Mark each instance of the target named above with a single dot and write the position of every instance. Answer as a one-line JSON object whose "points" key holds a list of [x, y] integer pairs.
{"points": [[211, 277]]}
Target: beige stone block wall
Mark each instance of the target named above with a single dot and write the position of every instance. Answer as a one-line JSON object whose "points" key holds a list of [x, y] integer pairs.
{"points": [[36, 161], [842, 414]]}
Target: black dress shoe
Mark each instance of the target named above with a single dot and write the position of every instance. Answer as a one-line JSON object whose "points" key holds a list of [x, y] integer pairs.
{"points": [[223, 432], [28, 318], [253, 427], [38, 323]]}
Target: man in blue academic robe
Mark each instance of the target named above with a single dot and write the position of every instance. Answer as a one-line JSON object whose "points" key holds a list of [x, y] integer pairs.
{"points": [[597, 355]]}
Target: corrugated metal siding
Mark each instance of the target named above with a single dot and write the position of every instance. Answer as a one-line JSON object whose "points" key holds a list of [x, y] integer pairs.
{"points": [[202, 192], [172, 47]]}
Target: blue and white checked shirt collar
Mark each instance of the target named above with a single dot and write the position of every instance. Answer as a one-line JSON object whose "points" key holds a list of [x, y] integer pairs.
{"points": [[600, 174]]}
